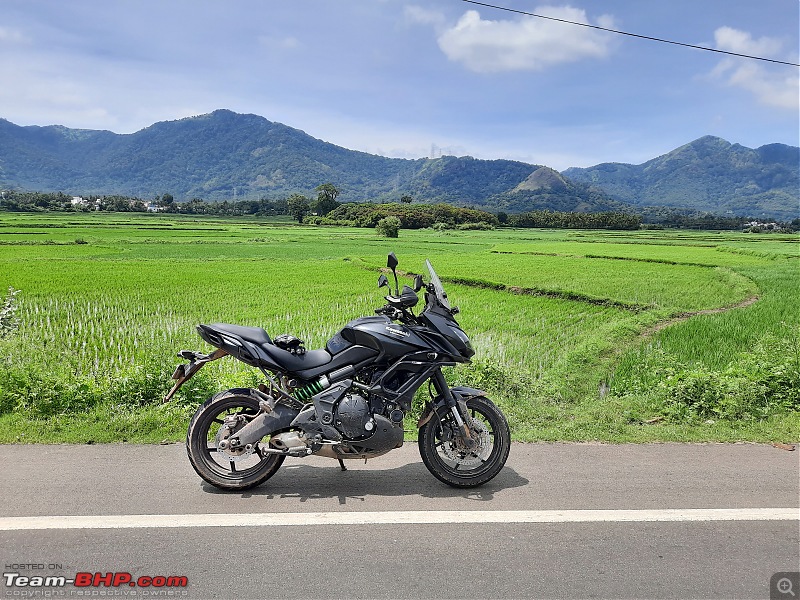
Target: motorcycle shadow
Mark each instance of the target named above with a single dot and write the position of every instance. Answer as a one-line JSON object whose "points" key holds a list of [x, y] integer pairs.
{"points": [[311, 482]]}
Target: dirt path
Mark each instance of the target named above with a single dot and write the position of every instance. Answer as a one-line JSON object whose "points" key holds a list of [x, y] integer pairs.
{"points": [[651, 331]]}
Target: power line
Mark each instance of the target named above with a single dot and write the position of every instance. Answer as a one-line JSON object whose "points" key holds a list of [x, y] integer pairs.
{"points": [[636, 35]]}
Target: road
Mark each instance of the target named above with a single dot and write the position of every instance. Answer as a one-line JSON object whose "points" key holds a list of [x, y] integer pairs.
{"points": [[365, 533]]}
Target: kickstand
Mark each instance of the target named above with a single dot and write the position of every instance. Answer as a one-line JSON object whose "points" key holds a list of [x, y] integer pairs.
{"points": [[341, 464]]}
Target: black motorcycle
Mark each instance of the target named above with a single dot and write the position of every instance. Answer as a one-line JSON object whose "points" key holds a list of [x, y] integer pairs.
{"points": [[349, 399]]}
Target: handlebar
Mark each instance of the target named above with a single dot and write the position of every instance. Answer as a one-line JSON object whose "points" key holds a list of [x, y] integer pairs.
{"points": [[396, 314], [389, 311], [399, 311]]}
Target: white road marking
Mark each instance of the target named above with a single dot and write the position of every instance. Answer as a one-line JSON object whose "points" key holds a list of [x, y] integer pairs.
{"points": [[671, 515]]}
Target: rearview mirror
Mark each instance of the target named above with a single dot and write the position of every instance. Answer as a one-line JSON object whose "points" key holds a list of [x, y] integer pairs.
{"points": [[382, 281], [418, 283], [391, 262]]}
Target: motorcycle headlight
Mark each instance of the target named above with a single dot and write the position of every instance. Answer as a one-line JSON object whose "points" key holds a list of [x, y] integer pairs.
{"points": [[464, 340]]}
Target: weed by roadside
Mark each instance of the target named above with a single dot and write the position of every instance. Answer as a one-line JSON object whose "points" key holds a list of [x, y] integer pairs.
{"points": [[756, 385]]}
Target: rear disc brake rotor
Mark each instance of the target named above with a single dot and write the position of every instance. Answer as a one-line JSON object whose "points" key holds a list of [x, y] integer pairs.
{"points": [[222, 440]]}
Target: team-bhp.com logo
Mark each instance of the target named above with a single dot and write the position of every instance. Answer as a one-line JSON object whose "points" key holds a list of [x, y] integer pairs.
{"points": [[19, 585]]}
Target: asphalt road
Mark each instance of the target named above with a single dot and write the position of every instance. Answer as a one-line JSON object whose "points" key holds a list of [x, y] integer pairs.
{"points": [[606, 559]]}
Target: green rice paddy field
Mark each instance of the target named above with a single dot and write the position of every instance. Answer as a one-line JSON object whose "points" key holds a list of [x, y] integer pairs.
{"points": [[580, 335]]}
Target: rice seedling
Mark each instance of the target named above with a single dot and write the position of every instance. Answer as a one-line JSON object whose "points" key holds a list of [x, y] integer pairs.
{"points": [[556, 317]]}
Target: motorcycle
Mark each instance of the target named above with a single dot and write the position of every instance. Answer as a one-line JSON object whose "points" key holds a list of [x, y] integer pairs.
{"points": [[349, 399]]}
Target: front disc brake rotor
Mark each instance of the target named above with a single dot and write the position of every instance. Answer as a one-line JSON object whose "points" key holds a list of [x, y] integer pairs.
{"points": [[457, 451]]}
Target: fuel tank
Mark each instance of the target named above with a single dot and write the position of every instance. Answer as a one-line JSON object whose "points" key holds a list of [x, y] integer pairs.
{"points": [[378, 332]]}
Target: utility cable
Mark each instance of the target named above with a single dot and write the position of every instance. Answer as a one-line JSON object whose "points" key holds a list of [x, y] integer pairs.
{"points": [[636, 35]]}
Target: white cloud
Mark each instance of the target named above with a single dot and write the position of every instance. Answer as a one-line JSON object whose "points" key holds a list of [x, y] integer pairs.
{"points": [[778, 87], [526, 44], [734, 40]]}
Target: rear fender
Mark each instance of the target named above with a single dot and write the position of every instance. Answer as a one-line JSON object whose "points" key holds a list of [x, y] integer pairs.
{"points": [[197, 361]]}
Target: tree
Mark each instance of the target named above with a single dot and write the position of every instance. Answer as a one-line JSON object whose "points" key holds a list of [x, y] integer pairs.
{"points": [[406, 199], [117, 204], [326, 198], [298, 206], [166, 200], [388, 227], [327, 190], [502, 218]]}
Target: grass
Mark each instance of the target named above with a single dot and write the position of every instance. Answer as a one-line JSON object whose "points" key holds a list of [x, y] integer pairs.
{"points": [[637, 284], [562, 321]]}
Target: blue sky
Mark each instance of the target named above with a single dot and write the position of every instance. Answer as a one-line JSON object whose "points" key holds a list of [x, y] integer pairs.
{"points": [[396, 77]]}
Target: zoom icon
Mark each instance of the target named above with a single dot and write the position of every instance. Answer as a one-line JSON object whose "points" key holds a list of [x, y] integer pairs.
{"points": [[784, 586]]}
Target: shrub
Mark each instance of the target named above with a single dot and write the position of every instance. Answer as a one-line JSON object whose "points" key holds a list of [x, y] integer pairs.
{"points": [[761, 383], [388, 227], [756, 385], [476, 226], [43, 393], [416, 216]]}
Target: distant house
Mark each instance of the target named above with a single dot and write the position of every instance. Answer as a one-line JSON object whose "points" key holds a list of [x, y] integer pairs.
{"points": [[78, 200], [758, 226]]}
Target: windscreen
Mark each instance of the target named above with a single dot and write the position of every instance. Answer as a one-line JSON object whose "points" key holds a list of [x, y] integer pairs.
{"points": [[437, 285]]}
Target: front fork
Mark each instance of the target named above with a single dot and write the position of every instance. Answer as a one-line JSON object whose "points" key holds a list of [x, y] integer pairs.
{"points": [[458, 408]]}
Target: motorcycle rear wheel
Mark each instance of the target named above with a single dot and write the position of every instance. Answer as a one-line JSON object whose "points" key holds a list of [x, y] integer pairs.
{"points": [[215, 467], [450, 462]]}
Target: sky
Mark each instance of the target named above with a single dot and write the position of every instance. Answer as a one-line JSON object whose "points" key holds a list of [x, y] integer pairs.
{"points": [[415, 78]]}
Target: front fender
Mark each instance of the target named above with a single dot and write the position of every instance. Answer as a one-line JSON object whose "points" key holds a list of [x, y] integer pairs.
{"points": [[465, 393], [435, 406]]}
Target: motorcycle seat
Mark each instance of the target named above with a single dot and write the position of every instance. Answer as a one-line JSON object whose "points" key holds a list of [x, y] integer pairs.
{"points": [[252, 334], [298, 362], [311, 360]]}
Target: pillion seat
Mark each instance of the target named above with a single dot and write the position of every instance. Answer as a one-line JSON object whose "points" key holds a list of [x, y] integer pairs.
{"points": [[252, 334], [294, 363]]}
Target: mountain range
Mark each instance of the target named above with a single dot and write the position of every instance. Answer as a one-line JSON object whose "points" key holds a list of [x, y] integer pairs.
{"points": [[225, 155], [709, 174]]}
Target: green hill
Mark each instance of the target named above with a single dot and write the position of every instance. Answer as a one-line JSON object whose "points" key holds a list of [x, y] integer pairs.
{"points": [[708, 174], [224, 155]]}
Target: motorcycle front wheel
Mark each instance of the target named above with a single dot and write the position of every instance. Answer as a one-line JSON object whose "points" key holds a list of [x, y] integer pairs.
{"points": [[447, 457], [229, 470]]}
